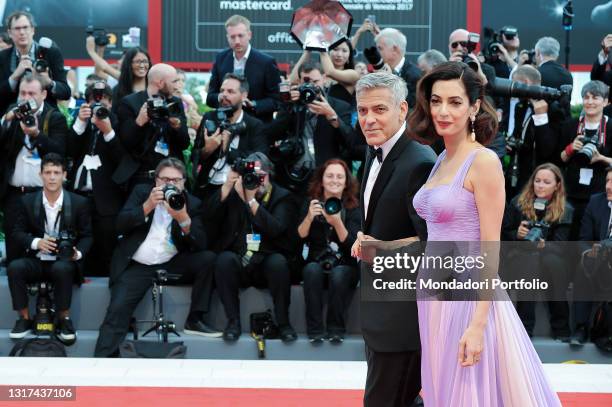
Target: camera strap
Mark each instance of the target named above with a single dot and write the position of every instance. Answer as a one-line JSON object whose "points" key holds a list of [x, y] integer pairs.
{"points": [[65, 212], [601, 135]]}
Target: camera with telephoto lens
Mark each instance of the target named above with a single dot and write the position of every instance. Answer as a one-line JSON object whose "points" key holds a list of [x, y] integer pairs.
{"points": [[65, 242], [249, 171], [25, 112], [174, 197], [223, 123], [160, 111], [470, 47], [44, 318], [99, 34], [538, 229], [372, 55], [589, 147], [309, 92], [331, 206], [509, 88], [97, 108]]}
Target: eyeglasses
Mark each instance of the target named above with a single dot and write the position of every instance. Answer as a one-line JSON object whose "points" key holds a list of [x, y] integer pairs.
{"points": [[167, 180], [140, 62], [457, 43]]}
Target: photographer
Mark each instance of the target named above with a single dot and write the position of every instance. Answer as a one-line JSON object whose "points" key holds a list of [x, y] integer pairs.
{"points": [[31, 130], [587, 150], [553, 73], [256, 245], [532, 138], [53, 234], [331, 220], [503, 52], [224, 135], [460, 49], [311, 129], [26, 55], [133, 77], [161, 228], [96, 152], [152, 126], [541, 214], [600, 70]]}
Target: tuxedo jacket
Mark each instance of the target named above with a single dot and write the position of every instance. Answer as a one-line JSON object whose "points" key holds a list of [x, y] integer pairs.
{"points": [[132, 227], [52, 139], [554, 75], [594, 226], [262, 74], [29, 226], [107, 196], [393, 326], [57, 73]]}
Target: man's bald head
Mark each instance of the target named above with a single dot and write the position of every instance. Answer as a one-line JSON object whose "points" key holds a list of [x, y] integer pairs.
{"points": [[457, 37], [161, 79]]}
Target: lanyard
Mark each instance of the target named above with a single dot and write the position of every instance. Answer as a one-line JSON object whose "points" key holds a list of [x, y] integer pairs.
{"points": [[601, 135]]}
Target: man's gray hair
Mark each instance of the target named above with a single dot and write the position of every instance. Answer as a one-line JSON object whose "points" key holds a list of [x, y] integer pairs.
{"points": [[596, 88], [392, 37], [548, 47], [431, 58], [385, 80]]}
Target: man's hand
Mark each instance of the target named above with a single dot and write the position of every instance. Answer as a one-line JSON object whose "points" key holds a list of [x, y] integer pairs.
{"points": [[364, 253], [539, 106], [143, 115], [225, 139], [45, 79], [47, 245], [25, 63], [84, 112], [245, 194], [104, 125], [228, 185], [175, 123], [295, 94], [249, 104], [321, 107], [180, 216], [156, 196], [213, 141], [33, 131], [505, 57]]}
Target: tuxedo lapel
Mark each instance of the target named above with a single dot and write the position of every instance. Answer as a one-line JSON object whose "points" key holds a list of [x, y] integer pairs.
{"points": [[366, 173]]}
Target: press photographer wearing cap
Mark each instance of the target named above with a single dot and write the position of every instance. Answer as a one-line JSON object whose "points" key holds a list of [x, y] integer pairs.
{"points": [[161, 228], [152, 126], [256, 245], [310, 129], [224, 135], [28, 56], [32, 129], [96, 151], [53, 235], [331, 218]]}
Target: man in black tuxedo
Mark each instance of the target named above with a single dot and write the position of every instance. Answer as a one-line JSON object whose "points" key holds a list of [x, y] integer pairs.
{"points": [[260, 70], [42, 217], [149, 135], [25, 139], [553, 73], [96, 151], [396, 167], [157, 236], [237, 135], [600, 71], [321, 129], [17, 60]]}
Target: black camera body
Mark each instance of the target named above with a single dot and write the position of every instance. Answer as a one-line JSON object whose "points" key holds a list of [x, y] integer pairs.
{"points": [[472, 43], [45, 314], [65, 241], [248, 169], [372, 55], [331, 206], [589, 147], [99, 34], [25, 112], [40, 63], [309, 92], [286, 150], [97, 108], [538, 229], [222, 122], [329, 259], [175, 198], [508, 88], [160, 111]]}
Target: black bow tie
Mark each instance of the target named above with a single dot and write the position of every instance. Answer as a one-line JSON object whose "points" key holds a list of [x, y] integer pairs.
{"points": [[378, 153]]}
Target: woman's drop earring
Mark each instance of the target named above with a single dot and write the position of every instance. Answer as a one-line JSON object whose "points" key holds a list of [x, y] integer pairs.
{"points": [[473, 134]]}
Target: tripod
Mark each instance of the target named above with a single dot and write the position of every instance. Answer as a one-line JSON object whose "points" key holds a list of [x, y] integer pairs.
{"points": [[160, 325], [568, 15]]}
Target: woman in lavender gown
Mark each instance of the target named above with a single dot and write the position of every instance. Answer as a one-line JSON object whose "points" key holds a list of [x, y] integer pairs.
{"points": [[474, 353]]}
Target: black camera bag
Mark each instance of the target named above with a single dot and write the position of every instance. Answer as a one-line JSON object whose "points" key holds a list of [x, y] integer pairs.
{"points": [[262, 324], [38, 347], [153, 350]]}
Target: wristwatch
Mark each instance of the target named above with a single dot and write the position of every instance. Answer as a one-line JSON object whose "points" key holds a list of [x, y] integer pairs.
{"points": [[253, 200]]}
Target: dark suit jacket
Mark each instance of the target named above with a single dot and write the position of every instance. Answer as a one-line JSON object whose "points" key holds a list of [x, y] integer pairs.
{"points": [[51, 141], [411, 74], [133, 227], [57, 73], [599, 73], [594, 226], [136, 139], [393, 326], [28, 226], [554, 75], [261, 73], [513, 216], [107, 196], [253, 140]]}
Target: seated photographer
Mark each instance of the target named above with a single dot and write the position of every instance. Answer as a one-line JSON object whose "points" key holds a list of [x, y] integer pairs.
{"points": [[602, 67], [331, 220], [224, 135], [311, 129], [541, 214], [161, 228], [587, 150], [28, 56], [256, 247], [31, 130], [96, 151], [595, 227], [532, 138], [152, 126], [53, 234]]}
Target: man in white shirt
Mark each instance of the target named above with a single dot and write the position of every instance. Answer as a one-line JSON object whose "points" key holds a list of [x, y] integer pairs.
{"points": [[53, 233]]}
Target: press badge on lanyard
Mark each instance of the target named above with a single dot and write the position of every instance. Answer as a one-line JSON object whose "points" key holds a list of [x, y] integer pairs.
{"points": [[253, 240], [162, 148], [33, 158]]}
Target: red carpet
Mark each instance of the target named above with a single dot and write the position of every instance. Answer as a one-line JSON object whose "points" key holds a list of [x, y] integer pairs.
{"points": [[213, 397]]}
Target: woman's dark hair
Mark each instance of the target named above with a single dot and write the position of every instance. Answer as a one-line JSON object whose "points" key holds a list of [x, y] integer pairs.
{"points": [[350, 63], [420, 123], [126, 78], [53, 159], [349, 195]]}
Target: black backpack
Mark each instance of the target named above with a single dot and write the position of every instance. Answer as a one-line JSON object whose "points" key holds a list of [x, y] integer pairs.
{"points": [[601, 333], [39, 347]]}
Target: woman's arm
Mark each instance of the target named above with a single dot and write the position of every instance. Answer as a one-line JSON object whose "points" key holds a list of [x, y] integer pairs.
{"points": [[294, 76], [347, 76], [100, 62]]}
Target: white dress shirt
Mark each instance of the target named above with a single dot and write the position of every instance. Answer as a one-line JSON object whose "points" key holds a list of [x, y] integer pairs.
{"points": [[27, 164], [240, 64], [397, 69], [376, 166], [158, 247], [218, 172]]}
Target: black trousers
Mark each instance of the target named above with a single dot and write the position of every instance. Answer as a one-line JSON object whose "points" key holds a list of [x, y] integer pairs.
{"points": [[24, 271], [137, 279], [341, 280], [12, 205], [393, 379], [271, 271]]}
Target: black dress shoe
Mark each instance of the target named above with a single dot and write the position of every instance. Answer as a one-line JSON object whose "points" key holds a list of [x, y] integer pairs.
{"points": [[232, 331], [579, 337], [198, 327], [287, 333], [316, 338], [21, 329], [335, 338], [65, 331]]}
